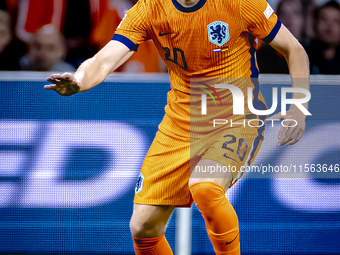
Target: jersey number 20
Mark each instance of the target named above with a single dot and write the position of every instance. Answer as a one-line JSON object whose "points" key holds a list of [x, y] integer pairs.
{"points": [[177, 57]]}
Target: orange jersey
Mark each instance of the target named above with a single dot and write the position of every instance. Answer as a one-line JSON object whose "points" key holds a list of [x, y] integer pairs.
{"points": [[213, 39]]}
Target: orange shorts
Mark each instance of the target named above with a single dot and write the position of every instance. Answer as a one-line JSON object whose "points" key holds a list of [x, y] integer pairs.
{"points": [[171, 159]]}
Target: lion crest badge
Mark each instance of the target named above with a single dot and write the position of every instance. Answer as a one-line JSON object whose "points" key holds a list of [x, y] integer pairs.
{"points": [[218, 33]]}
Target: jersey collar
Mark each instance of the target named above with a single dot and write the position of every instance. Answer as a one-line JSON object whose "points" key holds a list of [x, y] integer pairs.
{"points": [[189, 9]]}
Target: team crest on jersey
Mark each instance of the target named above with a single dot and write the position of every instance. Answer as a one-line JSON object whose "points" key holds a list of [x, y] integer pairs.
{"points": [[218, 33], [139, 184]]}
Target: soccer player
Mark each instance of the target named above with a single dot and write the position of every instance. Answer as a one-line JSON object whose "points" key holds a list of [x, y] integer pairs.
{"points": [[208, 39]]}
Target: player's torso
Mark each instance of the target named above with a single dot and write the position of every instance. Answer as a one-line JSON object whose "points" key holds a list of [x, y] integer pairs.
{"points": [[206, 40], [204, 43]]}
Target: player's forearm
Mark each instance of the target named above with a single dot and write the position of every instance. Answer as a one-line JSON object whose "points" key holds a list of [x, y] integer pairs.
{"points": [[297, 59], [94, 70], [91, 73], [299, 70]]}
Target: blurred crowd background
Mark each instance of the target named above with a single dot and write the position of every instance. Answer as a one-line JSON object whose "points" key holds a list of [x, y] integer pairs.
{"points": [[58, 35]]}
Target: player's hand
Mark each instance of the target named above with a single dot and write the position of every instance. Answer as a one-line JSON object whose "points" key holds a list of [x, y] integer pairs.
{"points": [[65, 84], [290, 135]]}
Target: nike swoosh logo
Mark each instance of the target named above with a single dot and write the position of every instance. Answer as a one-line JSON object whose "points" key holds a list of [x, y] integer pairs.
{"points": [[160, 34], [232, 240]]}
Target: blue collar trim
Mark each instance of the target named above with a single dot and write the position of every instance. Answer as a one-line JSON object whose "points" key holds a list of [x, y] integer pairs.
{"points": [[196, 7]]}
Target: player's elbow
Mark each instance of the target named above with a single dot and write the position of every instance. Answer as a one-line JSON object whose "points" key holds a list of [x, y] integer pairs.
{"points": [[296, 49], [298, 61]]}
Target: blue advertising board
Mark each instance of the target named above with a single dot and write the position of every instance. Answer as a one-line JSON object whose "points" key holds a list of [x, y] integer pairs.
{"points": [[68, 166]]}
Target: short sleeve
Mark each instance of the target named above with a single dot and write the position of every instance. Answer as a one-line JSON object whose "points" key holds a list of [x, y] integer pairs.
{"points": [[259, 19], [133, 29]]}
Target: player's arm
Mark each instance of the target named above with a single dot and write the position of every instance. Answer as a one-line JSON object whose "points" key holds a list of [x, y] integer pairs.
{"points": [[131, 32], [298, 63], [91, 72]]}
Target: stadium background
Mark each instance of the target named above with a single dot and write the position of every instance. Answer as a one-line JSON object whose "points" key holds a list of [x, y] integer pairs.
{"points": [[68, 166]]}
